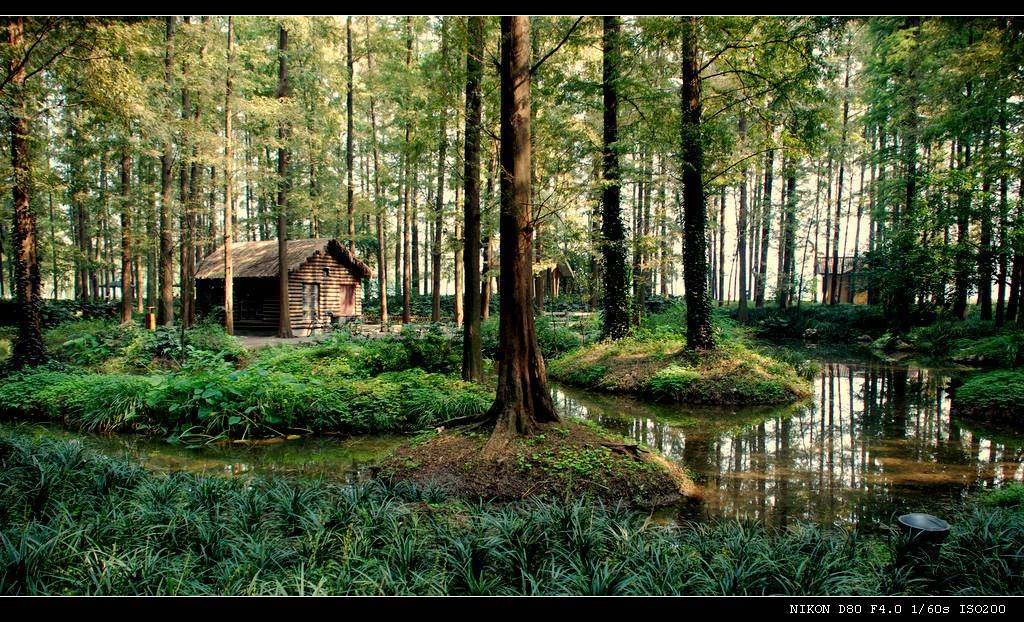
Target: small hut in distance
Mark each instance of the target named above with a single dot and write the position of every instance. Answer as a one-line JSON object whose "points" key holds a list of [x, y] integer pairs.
{"points": [[324, 283], [848, 270]]}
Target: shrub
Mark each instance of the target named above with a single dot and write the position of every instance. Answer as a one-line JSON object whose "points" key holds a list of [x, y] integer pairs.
{"points": [[552, 339], [54, 312], [992, 395], [840, 323], [1010, 495], [1005, 349]]}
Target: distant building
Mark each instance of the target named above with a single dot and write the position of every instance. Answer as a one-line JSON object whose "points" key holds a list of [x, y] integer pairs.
{"points": [[848, 279], [324, 283]]}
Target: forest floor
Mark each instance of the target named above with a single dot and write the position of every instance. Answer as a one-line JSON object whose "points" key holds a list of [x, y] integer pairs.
{"points": [[566, 460]]}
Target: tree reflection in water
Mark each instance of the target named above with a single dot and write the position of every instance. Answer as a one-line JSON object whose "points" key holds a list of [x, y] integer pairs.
{"points": [[875, 441]]}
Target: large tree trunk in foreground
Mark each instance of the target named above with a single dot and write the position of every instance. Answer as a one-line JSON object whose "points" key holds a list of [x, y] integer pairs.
{"points": [[165, 310], [229, 266], [522, 401], [28, 347], [695, 274], [284, 324], [472, 359], [613, 244]]}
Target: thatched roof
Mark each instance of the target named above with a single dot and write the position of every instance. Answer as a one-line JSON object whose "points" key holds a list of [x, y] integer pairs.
{"points": [[259, 259]]}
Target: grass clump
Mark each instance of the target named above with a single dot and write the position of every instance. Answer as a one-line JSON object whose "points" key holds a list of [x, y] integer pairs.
{"points": [[211, 403], [1010, 495], [992, 395], [662, 368], [72, 522]]}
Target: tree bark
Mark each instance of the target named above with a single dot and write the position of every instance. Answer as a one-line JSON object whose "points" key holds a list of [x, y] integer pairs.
{"points": [[699, 335], [28, 346], [126, 236], [741, 227], [165, 311], [522, 401], [472, 359], [284, 325], [382, 265], [229, 207], [766, 229], [407, 213], [349, 154], [613, 243], [442, 146]]}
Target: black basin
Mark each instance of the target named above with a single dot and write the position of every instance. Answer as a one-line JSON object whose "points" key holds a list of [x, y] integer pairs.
{"points": [[924, 528]]}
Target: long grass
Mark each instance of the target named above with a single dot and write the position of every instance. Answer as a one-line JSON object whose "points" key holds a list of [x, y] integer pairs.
{"points": [[76, 523]]}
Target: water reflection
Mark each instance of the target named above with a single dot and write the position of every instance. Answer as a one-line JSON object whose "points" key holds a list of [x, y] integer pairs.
{"points": [[875, 441], [341, 459]]}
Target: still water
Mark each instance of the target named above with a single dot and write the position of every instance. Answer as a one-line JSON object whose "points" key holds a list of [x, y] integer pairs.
{"points": [[875, 441], [347, 459]]}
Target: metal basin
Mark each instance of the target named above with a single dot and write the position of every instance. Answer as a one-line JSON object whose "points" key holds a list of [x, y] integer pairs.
{"points": [[924, 528]]}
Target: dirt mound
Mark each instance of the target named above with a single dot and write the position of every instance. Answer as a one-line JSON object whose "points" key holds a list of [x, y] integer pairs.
{"points": [[565, 460]]}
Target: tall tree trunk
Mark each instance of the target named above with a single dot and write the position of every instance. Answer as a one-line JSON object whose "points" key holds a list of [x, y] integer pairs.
{"points": [[721, 247], [699, 335], [126, 236], [766, 229], [835, 290], [1004, 230], [442, 146], [407, 213], [613, 244], [522, 401], [741, 226], [472, 359], [165, 311], [382, 265], [229, 207], [787, 236], [985, 259], [284, 324], [349, 154], [28, 346]]}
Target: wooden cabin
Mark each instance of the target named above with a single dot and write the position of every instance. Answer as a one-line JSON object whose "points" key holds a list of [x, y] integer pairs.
{"points": [[324, 284], [845, 276]]}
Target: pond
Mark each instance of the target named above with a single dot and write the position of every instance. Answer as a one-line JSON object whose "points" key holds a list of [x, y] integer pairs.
{"points": [[346, 459], [876, 441]]}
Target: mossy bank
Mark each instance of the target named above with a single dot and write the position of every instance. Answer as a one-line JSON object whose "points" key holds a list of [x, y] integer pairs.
{"points": [[996, 396], [566, 460], [661, 368]]}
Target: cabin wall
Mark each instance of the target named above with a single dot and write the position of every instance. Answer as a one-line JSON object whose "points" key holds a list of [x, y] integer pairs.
{"points": [[340, 292], [257, 306]]}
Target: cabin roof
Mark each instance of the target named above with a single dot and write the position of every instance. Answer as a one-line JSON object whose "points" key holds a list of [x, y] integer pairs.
{"points": [[259, 259], [823, 265]]}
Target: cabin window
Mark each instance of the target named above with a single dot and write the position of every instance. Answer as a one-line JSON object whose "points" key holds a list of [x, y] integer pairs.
{"points": [[327, 273], [311, 301]]}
